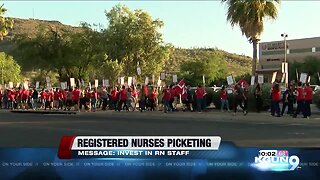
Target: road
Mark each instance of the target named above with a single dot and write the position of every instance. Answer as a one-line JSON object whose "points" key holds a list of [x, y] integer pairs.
{"points": [[253, 130]]}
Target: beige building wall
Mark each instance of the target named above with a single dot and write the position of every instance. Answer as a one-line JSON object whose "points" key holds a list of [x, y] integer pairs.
{"points": [[271, 54]]}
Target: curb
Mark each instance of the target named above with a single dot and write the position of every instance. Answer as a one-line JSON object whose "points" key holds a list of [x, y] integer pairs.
{"points": [[43, 112]]}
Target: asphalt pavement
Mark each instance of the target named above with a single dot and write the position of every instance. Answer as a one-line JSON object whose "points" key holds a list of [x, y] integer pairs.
{"points": [[253, 130]]}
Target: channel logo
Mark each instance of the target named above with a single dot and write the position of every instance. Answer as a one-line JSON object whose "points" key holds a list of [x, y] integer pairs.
{"points": [[275, 160]]}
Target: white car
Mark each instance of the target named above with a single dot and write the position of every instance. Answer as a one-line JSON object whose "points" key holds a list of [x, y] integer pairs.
{"points": [[315, 88]]}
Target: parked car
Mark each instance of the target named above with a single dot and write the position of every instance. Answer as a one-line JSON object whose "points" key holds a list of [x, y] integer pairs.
{"points": [[315, 88]]}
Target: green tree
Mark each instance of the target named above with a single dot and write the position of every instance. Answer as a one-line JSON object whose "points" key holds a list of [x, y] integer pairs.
{"points": [[110, 70], [132, 37], [212, 67], [5, 23], [10, 70], [87, 51], [250, 16]]}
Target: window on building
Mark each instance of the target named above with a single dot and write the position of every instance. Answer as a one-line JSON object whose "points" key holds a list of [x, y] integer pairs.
{"points": [[313, 49]]}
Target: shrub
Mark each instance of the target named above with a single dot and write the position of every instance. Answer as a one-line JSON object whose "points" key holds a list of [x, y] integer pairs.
{"points": [[252, 104]]}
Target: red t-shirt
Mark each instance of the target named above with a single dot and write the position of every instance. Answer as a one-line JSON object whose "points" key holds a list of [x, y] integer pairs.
{"points": [[49, 96], [123, 95], [11, 96], [300, 95], [223, 94], [276, 95], [56, 96], [199, 93], [173, 92], [25, 94], [88, 94], [61, 95], [43, 95], [308, 93], [94, 95], [153, 95], [76, 95], [114, 95], [167, 95]]}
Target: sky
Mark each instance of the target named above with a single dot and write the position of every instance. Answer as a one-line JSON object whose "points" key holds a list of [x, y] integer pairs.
{"points": [[187, 23]]}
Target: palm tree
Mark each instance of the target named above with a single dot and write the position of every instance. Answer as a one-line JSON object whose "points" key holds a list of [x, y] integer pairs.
{"points": [[5, 23], [249, 15]]}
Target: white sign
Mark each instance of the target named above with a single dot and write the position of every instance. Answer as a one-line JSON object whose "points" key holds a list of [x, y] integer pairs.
{"points": [[107, 82], [284, 67], [146, 81], [25, 85], [18, 85], [62, 84], [139, 70], [96, 83], [134, 81], [129, 81], [47, 79], [260, 79], [162, 76], [153, 79], [159, 82], [303, 77], [253, 78], [72, 83], [230, 80], [122, 80], [119, 80], [89, 85], [283, 77], [37, 84], [103, 83], [48, 86], [10, 84], [274, 75], [175, 78], [203, 79]]}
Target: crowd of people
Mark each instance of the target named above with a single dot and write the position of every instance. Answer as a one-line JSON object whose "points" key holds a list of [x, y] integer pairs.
{"points": [[119, 98], [144, 98]]}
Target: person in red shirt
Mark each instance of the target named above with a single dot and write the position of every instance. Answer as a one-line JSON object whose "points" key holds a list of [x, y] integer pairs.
{"points": [[24, 99], [75, 98], [276, 97], [300, 100], [166, 99], [62, 98], [173, 95], [308, 93], [153, 98], [114, 98], [200, 93], [56, 99], [224, 99], [49, 99], [43, 97], [123, 99]]}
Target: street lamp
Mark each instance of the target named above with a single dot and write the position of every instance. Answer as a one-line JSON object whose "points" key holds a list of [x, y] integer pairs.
{"points": [[284, 35]]}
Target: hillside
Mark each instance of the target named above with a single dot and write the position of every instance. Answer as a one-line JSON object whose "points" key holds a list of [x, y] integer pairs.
{"points": [[237, 64], [30, 27]]}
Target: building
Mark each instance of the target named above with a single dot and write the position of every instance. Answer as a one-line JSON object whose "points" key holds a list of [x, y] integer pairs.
{"points": [[272, 54]]}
